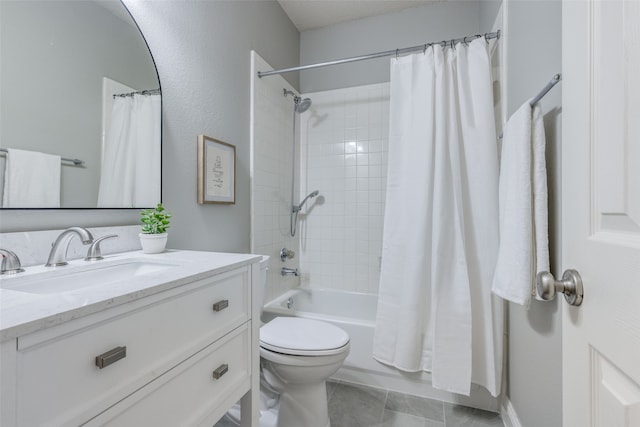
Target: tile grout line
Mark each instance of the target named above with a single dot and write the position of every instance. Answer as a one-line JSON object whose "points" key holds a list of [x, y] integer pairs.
{"points": [[384, 405], [444, 415]]}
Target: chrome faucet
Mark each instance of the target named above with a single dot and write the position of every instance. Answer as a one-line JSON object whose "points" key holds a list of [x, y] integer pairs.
{"points": [[58, 254], [10, 262], [288, 271]]}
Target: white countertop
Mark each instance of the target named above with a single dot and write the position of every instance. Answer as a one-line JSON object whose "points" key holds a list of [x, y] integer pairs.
{"points": [[22, 313]]}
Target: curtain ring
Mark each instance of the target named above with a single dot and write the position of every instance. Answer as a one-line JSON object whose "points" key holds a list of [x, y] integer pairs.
{"points": [[397, 53], [424, 50], [443, 43], [452, 45]]}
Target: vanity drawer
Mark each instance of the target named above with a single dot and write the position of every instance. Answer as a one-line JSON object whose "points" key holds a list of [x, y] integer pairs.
{"points": [[60, 382], [189, 395]]}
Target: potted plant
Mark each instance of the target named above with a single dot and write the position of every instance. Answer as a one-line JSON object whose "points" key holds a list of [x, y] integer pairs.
{"points": [[153, 235]]}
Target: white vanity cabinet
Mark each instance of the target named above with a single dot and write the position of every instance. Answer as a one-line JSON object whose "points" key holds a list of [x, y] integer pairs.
{"points": [[179, 357]]}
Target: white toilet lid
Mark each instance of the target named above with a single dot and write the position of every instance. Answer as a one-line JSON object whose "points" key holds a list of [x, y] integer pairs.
{"points": [[299, 336]]}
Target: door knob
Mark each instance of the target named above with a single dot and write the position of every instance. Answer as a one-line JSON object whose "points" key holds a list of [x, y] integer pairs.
{"points": [[570, 286]]}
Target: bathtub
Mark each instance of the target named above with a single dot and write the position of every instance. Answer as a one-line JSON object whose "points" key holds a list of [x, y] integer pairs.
{"points": [[356, 314]]}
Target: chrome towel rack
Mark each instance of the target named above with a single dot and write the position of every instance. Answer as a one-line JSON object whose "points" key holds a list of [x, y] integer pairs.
{"points": [[76, 162], [554, 81]]}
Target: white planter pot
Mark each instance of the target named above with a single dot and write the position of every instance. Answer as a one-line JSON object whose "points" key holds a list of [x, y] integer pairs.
{"points": [[153, 243]]}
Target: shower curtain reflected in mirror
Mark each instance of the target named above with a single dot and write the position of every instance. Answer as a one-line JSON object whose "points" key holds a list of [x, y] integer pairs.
{"points": [[130, 172], [436, 312]]}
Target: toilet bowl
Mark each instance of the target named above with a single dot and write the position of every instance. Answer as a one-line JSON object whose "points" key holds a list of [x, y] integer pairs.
{"points": [[297, 357]]}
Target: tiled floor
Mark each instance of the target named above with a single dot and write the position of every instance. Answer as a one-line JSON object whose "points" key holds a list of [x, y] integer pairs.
{"points": [[360, 406]]}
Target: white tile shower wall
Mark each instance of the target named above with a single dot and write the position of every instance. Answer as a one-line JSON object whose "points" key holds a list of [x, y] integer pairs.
{"points": [[344, 140], [271, 158]]}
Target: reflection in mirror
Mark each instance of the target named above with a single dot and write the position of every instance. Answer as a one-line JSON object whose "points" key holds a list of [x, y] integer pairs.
{"points": [[61, 64]]}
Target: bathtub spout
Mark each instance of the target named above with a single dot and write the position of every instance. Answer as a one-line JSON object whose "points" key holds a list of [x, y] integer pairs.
{"points": [[289, 271]]}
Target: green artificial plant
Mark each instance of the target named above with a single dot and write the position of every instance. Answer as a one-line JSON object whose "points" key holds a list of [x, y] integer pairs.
{"points": [[155, 221]]}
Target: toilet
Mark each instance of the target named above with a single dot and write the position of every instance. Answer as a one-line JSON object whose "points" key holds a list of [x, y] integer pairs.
{"points": [[297, 356]]}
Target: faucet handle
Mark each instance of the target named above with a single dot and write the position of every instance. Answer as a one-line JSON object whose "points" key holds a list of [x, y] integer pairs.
{"points": [[10, 262], [286, 254], [94, 254]]}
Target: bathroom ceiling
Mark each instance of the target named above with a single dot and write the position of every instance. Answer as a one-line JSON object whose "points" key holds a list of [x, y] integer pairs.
{"points": [[310, 14]]}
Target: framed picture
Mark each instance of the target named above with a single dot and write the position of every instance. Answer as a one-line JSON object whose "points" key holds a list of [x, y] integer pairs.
{"points": [[216, 171]]}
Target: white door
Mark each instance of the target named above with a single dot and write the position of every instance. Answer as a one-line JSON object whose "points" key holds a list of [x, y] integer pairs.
{"points": [[601, 211]]}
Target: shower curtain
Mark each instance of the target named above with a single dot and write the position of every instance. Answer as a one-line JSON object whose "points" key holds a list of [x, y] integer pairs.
{"points": [[130, 172], [436, 312]]}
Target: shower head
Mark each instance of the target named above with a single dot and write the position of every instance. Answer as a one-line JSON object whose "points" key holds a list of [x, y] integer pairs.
{"points": [[302, 105], [310, 195]]}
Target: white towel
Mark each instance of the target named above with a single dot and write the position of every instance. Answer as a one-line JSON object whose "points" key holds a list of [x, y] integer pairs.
{"points": [[540, 198], [31, 180], [524, 244]]}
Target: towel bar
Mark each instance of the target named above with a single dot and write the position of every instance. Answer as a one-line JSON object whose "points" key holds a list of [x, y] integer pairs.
{"points": [[76, 162]]}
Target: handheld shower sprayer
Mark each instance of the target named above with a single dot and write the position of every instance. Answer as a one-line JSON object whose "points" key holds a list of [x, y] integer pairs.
{"points": [[300, 105], [299, 207], [295, 209]]}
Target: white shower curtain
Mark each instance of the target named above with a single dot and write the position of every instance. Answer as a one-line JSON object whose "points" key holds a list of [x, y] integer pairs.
{"points": [[436, 312], [130, 172]]}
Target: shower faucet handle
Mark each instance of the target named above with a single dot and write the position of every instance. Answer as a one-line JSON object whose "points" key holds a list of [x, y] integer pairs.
{"points": [[286, 254]]}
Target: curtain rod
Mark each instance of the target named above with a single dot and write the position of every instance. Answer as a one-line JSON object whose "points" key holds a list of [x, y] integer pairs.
{"points": [[76, 162], [395, 52], [141, 92]]}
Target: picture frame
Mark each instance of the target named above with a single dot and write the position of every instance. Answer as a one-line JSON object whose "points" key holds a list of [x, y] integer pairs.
{"points": [[216, 171]]}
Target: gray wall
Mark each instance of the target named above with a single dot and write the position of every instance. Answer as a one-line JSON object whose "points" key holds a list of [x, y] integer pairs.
{"points": [[202, 51], [54, 56], [535, 342], [410, 27], [489, 15]]}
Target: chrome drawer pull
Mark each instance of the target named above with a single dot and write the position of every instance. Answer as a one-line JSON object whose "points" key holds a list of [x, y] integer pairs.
{"points": [[111, 356], [220, 371], [221, 305]]}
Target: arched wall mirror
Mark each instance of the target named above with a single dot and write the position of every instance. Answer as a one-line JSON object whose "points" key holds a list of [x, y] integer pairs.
{"points": [[61, 64]]}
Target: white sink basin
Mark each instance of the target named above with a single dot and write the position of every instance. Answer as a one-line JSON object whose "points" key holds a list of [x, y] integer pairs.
{"points": [[69, 279]]}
